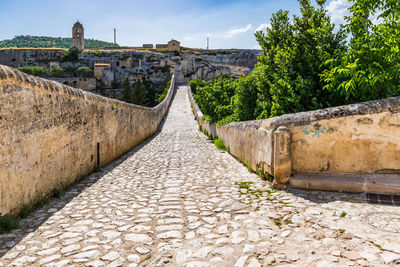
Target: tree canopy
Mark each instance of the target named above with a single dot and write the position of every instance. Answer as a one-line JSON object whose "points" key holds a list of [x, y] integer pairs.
{"points": [[307, 64]]}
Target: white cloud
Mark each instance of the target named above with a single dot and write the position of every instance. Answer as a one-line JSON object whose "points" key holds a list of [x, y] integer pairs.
{"points": [[237, 31], [263, 27], [337, 9]]}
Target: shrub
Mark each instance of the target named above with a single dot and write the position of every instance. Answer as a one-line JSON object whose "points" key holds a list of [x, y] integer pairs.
{"points": [[35, 71], [84, 72], [71, 55], [214, 99], [196, 83], [57, 72]]}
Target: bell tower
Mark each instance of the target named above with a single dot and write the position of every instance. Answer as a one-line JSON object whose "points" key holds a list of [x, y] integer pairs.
{"points": [[78, 40]]}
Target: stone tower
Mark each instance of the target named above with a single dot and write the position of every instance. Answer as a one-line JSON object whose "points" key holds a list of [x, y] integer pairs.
{"points": [[78, 40]]}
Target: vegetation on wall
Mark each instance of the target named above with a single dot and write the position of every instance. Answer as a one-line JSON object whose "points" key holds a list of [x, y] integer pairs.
{"points": [[57, 72], [306, 64], [160, 97], [47, 42]]}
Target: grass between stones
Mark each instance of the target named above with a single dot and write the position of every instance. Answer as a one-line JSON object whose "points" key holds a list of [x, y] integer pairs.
{"points": [[219, 143], [9, 222]]}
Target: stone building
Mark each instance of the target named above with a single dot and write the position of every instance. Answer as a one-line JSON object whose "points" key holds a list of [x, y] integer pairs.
{"points": [[104, 74], [78, 40], [174, 45], [161, 46]]}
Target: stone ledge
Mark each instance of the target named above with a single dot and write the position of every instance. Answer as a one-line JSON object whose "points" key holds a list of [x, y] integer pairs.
{"points": [[391, 104], [372, 183]]}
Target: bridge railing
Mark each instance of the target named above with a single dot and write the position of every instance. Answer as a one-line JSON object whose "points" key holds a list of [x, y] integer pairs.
{"points": [[53, 134], [352, 148]]}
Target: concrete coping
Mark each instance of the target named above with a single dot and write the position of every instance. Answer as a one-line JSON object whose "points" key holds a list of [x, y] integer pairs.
{"points": [[8, 74], [391, 104]]}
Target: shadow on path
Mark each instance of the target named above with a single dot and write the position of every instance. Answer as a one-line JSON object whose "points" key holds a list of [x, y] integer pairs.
{"points": [[37, 218]]}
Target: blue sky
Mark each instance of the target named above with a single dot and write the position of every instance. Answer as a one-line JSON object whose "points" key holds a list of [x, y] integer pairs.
{"points": [[228, 23]]}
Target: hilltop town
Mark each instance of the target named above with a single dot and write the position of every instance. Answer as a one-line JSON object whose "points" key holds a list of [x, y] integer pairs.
{"points": [[103, 70]]}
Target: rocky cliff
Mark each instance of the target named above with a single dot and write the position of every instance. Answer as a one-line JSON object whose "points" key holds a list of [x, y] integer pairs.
{"points": [[134, 65]]}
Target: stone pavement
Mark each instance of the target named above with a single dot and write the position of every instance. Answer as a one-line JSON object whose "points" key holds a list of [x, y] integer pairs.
{"points": [[177, 201]]}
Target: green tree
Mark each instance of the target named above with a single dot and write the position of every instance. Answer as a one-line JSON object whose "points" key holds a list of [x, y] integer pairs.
{"points": [[71, 55], [150, 94], [370, 68], [214, 99], [292, 61], [196, 83], [127, 93], [139, 94], [286, 78]]}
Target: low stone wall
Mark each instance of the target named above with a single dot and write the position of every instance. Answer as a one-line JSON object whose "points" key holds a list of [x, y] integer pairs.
{"points": [[51, 134], [351, 148]]}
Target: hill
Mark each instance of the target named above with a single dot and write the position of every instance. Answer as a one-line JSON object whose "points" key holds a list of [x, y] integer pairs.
{"points": [[45, 42]]}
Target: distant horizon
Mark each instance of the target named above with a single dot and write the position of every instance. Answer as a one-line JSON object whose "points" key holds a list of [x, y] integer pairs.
{"points": [[230, 24]]}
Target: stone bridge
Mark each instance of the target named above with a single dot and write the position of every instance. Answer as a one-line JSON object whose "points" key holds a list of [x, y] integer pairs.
{"points": [[176, 200]]}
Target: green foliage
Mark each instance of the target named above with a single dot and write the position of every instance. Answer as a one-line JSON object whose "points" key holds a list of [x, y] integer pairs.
{"points": [[35, 71], [70, 71], [115, 84], [161, 97], [248, 166], [84, 71], [214, 99], [98, 53], [140, 93], [57, 193], [248, 188], [48, 42], [244, 185], [71, 55], [294, 52], [57, 72], [370, 67], [150, 94], [127, 91], [343, 214], [286, 78], [196, 83], [219, 143], [8, 223]]}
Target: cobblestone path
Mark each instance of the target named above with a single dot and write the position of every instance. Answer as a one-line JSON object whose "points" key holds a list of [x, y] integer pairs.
{"points": [[177, 201]]}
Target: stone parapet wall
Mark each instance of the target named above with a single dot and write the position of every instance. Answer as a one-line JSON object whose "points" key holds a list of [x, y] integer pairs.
{"points": [[86, 84], [343, 142], [50, 134]]}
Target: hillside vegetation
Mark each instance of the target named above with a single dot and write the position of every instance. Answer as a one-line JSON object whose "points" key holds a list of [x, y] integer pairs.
{"points": [[307, 64], [46, 42]]}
